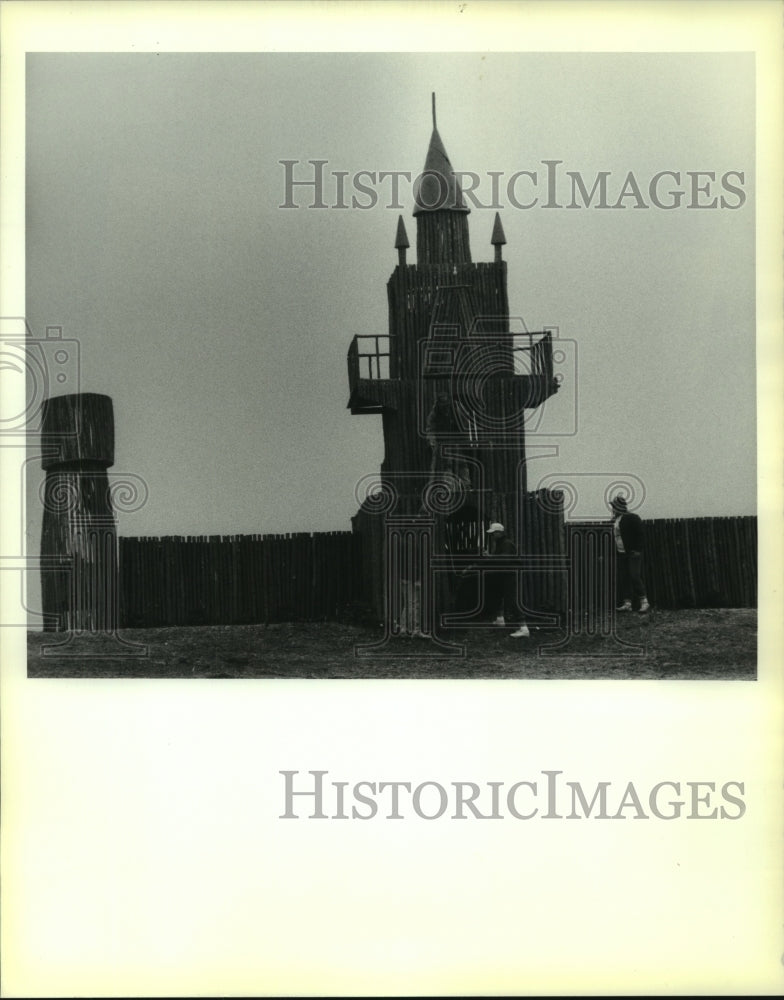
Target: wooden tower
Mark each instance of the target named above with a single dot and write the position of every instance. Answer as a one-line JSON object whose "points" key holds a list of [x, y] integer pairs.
{"points": [[450, 379]]}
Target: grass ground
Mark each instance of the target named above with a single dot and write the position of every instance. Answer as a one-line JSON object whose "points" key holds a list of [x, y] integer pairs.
{"points": [[690, 644]]}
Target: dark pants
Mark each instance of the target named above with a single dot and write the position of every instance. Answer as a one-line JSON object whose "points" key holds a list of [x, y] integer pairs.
{"points": [[629, 582], [501, 596]]}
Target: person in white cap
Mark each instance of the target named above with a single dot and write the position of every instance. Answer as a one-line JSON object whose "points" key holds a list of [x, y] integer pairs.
{"points": [[501, 584]]}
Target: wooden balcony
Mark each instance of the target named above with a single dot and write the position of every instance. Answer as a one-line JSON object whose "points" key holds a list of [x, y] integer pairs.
{"points": [[520, 364]]}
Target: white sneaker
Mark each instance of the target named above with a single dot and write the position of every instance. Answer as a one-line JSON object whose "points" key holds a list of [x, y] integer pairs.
{"points": [[644, 606], [499, 621], [521, 633], [626, 606]]}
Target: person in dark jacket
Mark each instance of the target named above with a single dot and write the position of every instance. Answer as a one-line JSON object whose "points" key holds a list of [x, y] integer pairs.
{"points": [[629, 540]]}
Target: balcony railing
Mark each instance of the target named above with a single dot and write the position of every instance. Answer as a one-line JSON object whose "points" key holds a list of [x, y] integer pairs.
{"points": [[532, 354], [529, 355]]}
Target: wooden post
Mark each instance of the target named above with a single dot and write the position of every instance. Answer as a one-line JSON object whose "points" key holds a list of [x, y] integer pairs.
{"points": [[79, 531]]}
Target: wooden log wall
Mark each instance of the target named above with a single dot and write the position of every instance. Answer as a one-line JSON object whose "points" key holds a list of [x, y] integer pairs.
{"points": [[442, 238], [244, 579], [700, 562], [238, 579], [543, 537], [414, 292]]}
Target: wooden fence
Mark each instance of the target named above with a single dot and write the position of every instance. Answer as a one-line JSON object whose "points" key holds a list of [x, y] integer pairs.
{"points": [[699, 562], [239, 579], [243, 579]]}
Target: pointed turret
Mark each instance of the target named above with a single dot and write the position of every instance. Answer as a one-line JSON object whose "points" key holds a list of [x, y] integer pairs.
{"points": [[401, 241], [440, 210], [498, 239], [437, 187]]}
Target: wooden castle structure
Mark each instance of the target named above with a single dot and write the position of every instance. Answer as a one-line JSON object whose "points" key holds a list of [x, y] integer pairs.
{"points": [[452, 383]]}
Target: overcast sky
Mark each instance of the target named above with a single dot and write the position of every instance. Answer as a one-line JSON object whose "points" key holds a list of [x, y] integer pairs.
{"points": [[219, 322]]}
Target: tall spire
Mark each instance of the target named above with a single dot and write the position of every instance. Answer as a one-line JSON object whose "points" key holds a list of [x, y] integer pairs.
{"points": [[441, 212], [437, 188]]}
